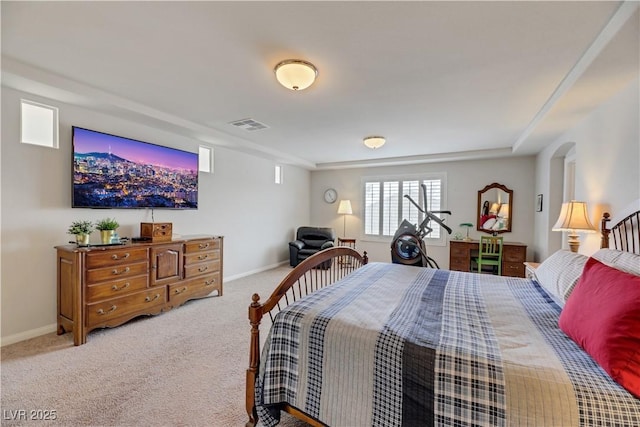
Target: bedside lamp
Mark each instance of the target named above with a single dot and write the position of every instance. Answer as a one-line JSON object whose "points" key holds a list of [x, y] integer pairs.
{"points": [[345, 209], [574, 217]]}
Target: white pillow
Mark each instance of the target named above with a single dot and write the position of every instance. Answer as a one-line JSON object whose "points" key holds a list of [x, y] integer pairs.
{"points": [[624, 261], [559, 273], [489, 223]]}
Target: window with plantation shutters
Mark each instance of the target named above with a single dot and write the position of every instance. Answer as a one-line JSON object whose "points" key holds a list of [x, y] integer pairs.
{"points": [[385, 205]]}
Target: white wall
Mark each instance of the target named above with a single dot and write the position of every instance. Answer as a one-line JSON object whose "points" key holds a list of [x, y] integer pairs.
{"points": [[464, 179], [239, 201], [607, 145]]}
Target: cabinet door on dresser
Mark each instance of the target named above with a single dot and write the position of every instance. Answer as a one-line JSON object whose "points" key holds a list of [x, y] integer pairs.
{"points": [[166, 264]]}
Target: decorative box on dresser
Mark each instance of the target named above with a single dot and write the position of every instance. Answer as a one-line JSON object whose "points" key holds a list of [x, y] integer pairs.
{"points": [[514, 255], [106, 286]]}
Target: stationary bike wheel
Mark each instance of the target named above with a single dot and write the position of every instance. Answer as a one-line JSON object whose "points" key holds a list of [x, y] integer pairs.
{"points": [[407, 249]]}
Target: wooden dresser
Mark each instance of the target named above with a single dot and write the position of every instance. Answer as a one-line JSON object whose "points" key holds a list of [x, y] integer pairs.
{"points": [[513, 256], [106, 286]]}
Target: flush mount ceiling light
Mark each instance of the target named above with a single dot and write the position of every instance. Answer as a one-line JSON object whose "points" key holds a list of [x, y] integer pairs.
{"points": [[296, 74], [374, 142]]}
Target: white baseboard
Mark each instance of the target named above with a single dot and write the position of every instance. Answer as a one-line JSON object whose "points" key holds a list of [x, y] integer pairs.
{"points": [[12, 339], [258, 270]]}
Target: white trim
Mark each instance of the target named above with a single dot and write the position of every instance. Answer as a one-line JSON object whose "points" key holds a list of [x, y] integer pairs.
{"points": [[257, 270], [32, 333], [619, 18]]}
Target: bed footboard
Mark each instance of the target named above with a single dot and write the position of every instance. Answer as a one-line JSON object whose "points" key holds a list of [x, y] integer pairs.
{"points": [[316, 272]]}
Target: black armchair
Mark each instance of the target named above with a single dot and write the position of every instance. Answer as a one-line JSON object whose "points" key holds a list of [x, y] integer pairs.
{"points": [[309, 240]]}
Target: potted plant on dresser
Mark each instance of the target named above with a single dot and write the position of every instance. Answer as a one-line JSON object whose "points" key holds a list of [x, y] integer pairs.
{"points": [[107, 229], [82, 230]]}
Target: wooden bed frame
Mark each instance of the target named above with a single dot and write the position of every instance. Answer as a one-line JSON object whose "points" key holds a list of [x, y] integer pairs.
{"points": [[318, 271], [309, 276], [626, 232]]}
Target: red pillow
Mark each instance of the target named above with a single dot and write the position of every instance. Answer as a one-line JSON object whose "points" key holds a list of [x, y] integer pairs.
{"points": [[602, 315]]}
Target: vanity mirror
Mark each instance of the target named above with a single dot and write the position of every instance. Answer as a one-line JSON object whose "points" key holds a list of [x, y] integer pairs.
{"points": [[495, 202]]}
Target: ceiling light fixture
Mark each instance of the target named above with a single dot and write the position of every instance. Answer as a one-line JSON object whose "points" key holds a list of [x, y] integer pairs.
{"points": [[296, 74], [374, 142]]}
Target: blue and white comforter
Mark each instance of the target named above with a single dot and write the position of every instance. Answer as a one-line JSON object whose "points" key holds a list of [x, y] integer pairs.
{"points": [[394, 345]]}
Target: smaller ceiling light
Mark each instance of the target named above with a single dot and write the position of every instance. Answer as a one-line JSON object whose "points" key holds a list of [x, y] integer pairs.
{"points": [[296, 74], [374, 142]]}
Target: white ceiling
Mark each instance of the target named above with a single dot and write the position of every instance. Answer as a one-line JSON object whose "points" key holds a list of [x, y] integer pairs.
{"points": [[440, 80]]}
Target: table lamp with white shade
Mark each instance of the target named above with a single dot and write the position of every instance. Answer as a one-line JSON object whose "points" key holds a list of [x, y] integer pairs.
{"points": [[574, 217]]}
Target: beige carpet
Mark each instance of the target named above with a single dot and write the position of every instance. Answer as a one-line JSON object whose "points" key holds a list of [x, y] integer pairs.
{"points": [[185, 367]]}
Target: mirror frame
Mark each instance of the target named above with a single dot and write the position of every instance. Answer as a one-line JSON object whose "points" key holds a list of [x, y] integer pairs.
{"points": [[484, 190]]}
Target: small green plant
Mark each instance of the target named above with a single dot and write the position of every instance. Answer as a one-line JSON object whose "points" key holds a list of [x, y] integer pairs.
{"points": [[107, 224], [80, 227]]}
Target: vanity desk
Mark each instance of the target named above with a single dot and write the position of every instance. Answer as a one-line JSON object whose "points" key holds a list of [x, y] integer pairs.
{"points": [[514, 255]]}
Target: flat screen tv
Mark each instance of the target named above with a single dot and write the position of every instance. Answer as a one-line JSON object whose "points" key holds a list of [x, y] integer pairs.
{"points": [[114, 172]]}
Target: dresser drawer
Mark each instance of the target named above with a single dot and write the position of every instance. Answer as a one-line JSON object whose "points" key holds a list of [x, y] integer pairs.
{"points": [[514, 254], [116, 288], [199, 269], [115, 257], [201, 286], [137, 303], [459, 264], [117, 272], [459, 251], [513, 269], [201, 246], [195, 258]]}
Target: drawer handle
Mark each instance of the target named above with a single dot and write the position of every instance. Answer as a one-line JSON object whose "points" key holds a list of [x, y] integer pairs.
{"points": [[203, 245], [125, 256], [179, 291], [101, 312], [201, 257], [117, 273], [149, 299], [210, 282], [116, 288], [204, 268]]}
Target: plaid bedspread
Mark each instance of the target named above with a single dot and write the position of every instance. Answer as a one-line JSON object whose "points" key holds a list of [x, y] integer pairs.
{"points": [[394, 345]]}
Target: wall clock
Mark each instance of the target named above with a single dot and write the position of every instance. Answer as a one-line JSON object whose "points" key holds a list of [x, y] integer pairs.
{"points": [[330, 195]]}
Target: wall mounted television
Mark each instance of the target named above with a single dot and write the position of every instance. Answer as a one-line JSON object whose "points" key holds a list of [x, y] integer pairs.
{"points": [[115, 172]]}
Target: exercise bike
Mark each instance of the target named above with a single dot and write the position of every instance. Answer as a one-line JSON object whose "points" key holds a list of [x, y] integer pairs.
{"points": [[407, 246]]}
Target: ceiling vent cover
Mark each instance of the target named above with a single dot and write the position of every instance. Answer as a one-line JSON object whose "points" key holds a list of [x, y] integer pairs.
{"points": [[249, 125]]}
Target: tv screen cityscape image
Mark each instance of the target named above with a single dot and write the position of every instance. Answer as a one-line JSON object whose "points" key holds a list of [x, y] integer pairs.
{"points": [[116, 172]]}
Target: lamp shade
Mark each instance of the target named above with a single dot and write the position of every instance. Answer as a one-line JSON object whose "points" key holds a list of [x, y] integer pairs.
{"points": [[574, 216], [345, 207], [296, 74], [374, 142]]}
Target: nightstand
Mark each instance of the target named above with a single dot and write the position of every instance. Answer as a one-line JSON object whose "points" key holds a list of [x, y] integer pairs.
{"points": [[530, 269], [343, 241]]}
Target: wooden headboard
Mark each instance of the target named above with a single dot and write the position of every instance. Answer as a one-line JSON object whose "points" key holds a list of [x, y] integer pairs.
{"points": [[625, 233]]}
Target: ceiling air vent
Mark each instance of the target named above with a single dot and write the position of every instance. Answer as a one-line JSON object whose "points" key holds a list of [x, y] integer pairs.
{"points": [[249, 125]]}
